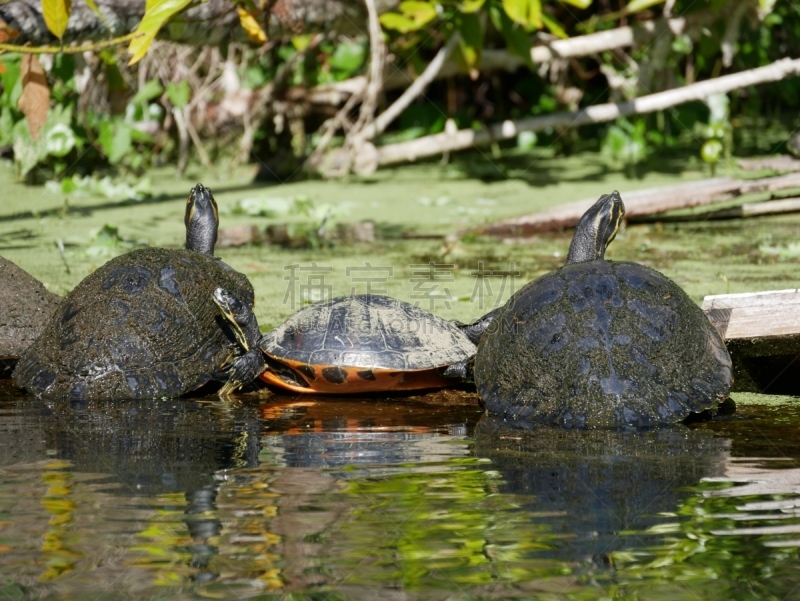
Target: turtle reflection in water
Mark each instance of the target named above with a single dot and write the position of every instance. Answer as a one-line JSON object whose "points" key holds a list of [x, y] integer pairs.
{"points": [[351, 344], [601, 343], [143, 325]]}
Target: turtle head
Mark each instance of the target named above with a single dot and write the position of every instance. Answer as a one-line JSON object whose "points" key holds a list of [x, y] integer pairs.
{"points": [[202, 220], [596, 229], [239, 317]]}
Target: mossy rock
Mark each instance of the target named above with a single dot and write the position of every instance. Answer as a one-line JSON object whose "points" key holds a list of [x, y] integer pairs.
{"points": [[25, 307]]}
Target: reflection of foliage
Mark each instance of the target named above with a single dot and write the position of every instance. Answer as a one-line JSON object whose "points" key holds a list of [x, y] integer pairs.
{"points": [[440, 528], [694, 555], [163, 548], [57, 501]]}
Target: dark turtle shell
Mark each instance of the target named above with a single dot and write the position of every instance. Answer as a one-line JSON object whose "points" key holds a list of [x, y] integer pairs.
{"points": [[601, 343], [143, 325], [25, 307], [367, 333]]}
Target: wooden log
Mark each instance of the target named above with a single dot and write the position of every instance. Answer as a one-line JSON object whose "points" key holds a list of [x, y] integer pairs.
{"points": [[644, 203], [756, 209], [781, 162], [762, 333]]}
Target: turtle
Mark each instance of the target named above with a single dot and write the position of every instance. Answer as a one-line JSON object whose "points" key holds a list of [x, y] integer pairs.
{"points": [[25, 307], [600, 343], [349, 344], [143, 325]]}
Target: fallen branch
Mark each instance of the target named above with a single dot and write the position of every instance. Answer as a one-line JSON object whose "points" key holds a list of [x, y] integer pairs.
{"points": [[645, 203], [743, 211], [781, 162], [467, 138], [492, 60]]}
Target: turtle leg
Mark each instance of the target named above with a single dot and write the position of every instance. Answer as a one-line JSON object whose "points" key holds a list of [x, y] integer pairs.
{"points": [[461, 371], [475, 330], [243, 369]]}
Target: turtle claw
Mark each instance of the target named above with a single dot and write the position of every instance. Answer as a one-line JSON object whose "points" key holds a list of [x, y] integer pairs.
{"points": [[241, 370], [229, 388]]}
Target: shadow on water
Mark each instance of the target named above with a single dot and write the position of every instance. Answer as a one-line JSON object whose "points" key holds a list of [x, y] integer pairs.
{"points": [[415, 498]]}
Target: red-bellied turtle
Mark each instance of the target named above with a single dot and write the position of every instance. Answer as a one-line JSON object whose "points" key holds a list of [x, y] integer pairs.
{"points": [[350, 344], [144, 325], [601, 343]]}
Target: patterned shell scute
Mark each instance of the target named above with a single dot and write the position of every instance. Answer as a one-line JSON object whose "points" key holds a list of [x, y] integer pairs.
{"points": [[368, 332], [143, 325], [602, 344]]}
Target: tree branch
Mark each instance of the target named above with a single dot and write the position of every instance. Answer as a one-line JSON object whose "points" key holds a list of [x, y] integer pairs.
{"points": [[493, 59], [439, 143]]}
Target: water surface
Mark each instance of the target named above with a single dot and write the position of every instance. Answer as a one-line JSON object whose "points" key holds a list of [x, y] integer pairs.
{"points": [[409, 498]]}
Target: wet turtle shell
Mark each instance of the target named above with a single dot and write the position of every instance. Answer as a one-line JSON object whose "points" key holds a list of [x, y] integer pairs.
{"points": [[363, 343], [601, 343], [25, 307], [143, 325]]}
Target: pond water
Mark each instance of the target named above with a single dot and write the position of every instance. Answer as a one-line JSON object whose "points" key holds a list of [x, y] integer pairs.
{"points": [[409, 498]]}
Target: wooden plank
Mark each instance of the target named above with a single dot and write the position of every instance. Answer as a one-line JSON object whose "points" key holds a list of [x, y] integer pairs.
{"points": [[640, 203], [770, 298], [755, 314], [762, 333]]}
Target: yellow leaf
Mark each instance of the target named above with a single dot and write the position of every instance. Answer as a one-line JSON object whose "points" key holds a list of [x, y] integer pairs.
{"points": [[527, 13], [251, 25], [578, 3], [471, 6], [56, 15], [156, 14]]}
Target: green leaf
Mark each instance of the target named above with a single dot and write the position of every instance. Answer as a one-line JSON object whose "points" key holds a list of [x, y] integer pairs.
{"points": [[421, 12], [517, 40], [637, 5], [470, 42], [156, 14], [115, 140], [178, 93], [56, 15], [398, 22], [525, 12], [471, 6], [578, 3], [151, 89], [554, 27], [348, 57]]}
